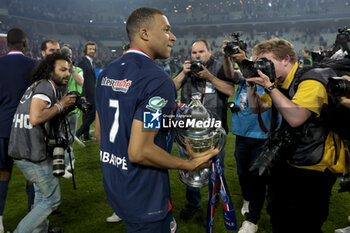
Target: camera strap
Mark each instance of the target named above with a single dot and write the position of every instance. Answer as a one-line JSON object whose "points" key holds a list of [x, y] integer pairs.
{"points": [[261, 121], [274, 120], [203, 92], [216, 173]]}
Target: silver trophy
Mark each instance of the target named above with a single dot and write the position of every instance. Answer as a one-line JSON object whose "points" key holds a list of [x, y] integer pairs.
{"points": [[200, 131]]}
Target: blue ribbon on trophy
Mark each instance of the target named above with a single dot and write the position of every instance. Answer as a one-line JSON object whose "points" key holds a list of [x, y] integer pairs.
{"points": [[215, 172]]}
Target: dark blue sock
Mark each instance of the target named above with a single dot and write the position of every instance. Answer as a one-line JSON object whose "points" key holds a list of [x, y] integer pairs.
{"points": [[30, 194], [4, 186]]}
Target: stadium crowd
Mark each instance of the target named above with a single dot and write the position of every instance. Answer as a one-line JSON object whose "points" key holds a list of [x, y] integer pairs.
{"points": [[179, 12]]}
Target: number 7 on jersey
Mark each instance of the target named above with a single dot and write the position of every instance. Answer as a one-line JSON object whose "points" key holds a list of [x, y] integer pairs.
{"points": [[115, 126]]}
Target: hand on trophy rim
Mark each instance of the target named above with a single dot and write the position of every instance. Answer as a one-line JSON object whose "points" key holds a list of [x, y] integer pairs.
{"points": [[201, 160]]}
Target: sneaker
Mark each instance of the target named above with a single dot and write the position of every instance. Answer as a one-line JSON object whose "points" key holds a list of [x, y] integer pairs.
{"points": [[189, 211], [55, 230], [248, 227], [113, 218], [87, 139], [343, 230], [68, 167], [67, 174], [245, 207]]}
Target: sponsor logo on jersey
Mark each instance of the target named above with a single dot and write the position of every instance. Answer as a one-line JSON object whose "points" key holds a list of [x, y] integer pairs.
{"points": [[156, 103], [151, 120], [117, 85]]}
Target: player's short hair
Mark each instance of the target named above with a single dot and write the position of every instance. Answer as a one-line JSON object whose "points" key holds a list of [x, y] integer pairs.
{"points": [[16, 36], [141, 17]]}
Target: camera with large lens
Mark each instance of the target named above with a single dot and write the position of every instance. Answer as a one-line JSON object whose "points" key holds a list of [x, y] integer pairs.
{"points": [[233, 107], [196, 66], [232, 47], [272, 152], [338, 86], [250, 68], [342, 40], [57, 146], [80, 102]]}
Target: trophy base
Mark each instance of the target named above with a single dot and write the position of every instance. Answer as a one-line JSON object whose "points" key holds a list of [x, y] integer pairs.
{"points": [[195, 179]]}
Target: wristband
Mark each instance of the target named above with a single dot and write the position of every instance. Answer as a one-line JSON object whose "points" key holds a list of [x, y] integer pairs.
{"points": [[269, 89], [59, 106]]}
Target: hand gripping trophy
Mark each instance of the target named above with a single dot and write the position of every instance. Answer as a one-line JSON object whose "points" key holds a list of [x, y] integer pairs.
{"points": [[196, 128]]}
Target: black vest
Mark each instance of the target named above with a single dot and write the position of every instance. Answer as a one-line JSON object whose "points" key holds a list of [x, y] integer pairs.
{"points": [[310, 137]]}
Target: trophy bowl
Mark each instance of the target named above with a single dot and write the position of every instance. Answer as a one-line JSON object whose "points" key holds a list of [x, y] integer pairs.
{"points": [[198, 143], [200, 134]]}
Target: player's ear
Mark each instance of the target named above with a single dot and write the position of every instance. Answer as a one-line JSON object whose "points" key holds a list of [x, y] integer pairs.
{"points": [[143, 33]]}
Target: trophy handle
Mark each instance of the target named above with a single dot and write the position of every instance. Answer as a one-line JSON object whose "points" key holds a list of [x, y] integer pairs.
{"points": [[222, 140]]}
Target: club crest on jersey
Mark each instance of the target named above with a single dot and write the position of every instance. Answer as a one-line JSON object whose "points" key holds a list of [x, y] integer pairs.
{"points": [[116, 85], [156, 103]]}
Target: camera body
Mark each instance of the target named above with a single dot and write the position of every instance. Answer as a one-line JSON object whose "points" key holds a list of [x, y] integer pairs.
{"points": [[196, 66], [232, 46], [56, 146], [272, 152], [342, 40], [338, 86], [80, 102], [250, 68], [233, 107]]}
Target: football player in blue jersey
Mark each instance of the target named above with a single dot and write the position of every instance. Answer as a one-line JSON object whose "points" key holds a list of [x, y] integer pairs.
{"points": [[132, 94]]}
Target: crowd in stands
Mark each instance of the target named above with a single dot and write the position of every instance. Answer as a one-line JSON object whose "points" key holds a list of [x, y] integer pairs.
{"points": [[308, 37], [112, 12], [59, 19]]}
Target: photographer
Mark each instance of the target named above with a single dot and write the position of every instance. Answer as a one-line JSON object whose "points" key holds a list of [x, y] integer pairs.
{"points": [[31, 128], [302, 177], [205, 75], [249, 141]]}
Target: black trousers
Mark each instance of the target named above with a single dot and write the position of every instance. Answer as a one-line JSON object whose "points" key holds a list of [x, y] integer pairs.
{"points": [[253, 186], [88, 119], [299, 199]]}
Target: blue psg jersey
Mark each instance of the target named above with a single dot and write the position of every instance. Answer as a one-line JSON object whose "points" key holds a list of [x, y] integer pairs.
{"points": [[133, 87]]}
